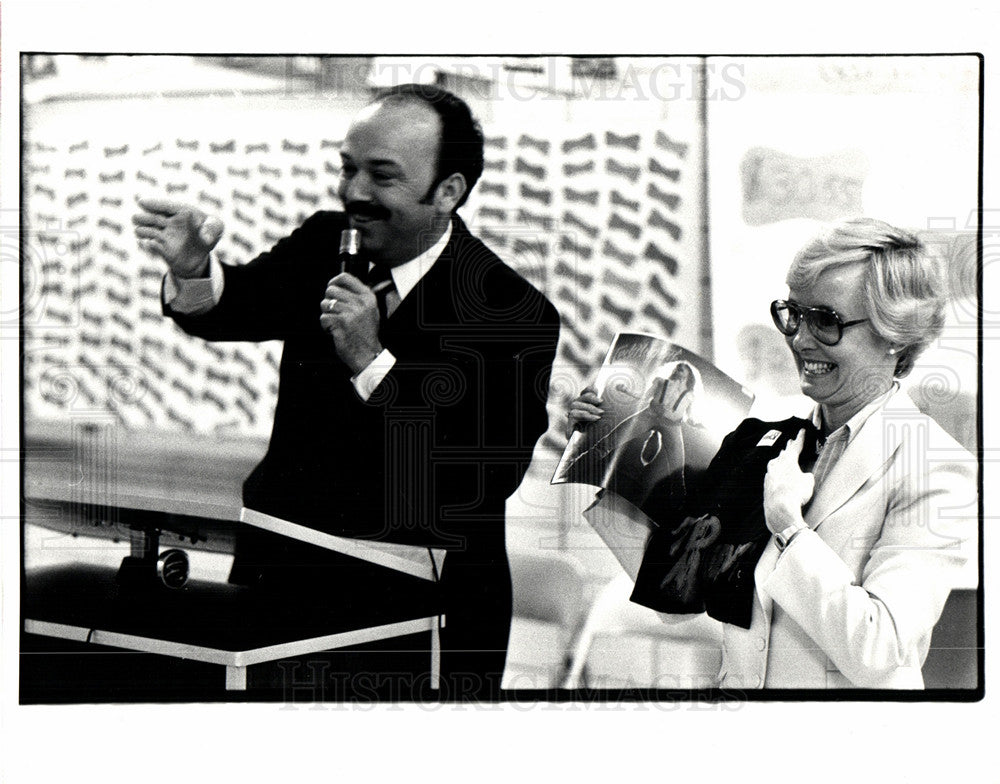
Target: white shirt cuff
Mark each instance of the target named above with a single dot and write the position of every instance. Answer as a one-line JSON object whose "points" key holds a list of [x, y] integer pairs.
{"points": [[370, 377], [194, 296]]}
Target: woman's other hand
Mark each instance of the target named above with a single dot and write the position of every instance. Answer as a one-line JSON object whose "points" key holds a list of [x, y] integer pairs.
{"points": [[787, 487], [584, 410]]}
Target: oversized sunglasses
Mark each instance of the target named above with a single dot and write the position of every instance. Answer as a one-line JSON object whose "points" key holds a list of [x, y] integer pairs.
{"points": [[824, 324]]}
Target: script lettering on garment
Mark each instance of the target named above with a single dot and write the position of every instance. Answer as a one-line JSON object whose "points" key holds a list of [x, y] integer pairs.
{"points": [[703, 531], [723, 558]]}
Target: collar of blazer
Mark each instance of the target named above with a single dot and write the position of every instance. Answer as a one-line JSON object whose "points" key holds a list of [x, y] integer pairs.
{"points": [[873, 446]]}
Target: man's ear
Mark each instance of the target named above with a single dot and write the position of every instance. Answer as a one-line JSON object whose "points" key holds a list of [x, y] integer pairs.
{"points": [[449, 192]]}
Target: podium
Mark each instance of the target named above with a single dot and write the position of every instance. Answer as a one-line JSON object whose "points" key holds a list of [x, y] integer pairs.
{"points": [[134, 607]]}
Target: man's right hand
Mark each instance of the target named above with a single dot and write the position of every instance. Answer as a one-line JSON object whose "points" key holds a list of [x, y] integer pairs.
{"points": [[585, 409], [179, 234]]}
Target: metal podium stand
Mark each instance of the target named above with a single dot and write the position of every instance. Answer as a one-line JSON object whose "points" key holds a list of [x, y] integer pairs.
{"points": [[132, 608]]}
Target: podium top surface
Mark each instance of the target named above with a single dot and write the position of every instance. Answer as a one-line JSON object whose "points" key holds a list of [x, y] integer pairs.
{"points": [[105, 465]]}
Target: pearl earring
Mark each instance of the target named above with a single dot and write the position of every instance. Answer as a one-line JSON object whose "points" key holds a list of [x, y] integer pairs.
{"points": [[892, 352]]}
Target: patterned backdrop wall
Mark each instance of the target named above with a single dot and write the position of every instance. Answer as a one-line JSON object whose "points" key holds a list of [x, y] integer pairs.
{"points": [[95, 336], [600, 213]]}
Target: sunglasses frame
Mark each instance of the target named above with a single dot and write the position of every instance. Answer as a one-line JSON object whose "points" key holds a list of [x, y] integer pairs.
{"points": [[802, 316]]}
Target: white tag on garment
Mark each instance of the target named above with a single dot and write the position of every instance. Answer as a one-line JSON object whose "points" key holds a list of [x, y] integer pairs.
{"points": [[769, 438]]}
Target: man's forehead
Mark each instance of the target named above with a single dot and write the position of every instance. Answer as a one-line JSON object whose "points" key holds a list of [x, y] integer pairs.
{"points": [[395, 122]]}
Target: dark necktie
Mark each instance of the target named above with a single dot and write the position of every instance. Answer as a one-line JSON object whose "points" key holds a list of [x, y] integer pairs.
{"points": [[379, 280]]}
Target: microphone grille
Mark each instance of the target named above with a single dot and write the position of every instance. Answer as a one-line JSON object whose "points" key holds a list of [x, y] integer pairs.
{"points": [[350, 242]]}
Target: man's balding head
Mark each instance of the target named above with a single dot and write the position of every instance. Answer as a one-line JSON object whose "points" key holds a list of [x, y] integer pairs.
{"points": [[461, 144]]}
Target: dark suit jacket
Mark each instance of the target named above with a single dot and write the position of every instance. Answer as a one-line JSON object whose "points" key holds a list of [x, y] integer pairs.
{"points": [[431, 457], [703, 557]]}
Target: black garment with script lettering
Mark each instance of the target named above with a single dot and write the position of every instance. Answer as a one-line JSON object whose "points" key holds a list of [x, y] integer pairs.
{"points": [[702, 558]]}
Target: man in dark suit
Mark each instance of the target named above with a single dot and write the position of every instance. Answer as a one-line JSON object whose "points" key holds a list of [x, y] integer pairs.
{"points": [[412, 425]]}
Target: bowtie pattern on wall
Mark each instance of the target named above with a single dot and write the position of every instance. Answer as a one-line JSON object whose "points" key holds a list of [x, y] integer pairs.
{"points": [[96, 343], [594, 218]]}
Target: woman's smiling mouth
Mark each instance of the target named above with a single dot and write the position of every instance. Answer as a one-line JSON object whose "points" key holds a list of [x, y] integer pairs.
{"points": [[813, 368]]}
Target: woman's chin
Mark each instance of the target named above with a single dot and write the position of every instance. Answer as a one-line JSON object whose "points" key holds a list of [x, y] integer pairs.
{"points": [[817, 386]]}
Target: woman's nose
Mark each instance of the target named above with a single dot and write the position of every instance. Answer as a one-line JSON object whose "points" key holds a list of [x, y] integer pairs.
{"points": [[802, 338]]}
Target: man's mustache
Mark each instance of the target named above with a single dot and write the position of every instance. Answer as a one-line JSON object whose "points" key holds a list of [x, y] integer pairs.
{"points": [[362, 209]]}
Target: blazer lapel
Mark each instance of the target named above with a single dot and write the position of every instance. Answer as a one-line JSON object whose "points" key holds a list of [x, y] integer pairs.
{"points": [[871, 448]]}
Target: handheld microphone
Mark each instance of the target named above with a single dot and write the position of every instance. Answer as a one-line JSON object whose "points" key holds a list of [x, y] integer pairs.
{"points": [[350, 254]]}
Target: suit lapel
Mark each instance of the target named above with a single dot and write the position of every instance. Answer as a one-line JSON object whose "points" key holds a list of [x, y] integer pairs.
{"points": [[429, 290], [871, 448]]}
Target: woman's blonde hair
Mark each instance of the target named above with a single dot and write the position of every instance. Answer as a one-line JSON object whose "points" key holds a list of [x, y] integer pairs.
{"points": [[903, 289]]}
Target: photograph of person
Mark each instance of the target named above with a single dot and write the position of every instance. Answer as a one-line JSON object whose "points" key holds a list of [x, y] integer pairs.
{"points": [[444, 389], [208, 368], [651, 469]]}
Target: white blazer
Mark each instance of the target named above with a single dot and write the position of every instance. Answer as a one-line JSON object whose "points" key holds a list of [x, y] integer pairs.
{"points": [[852, 602]]}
